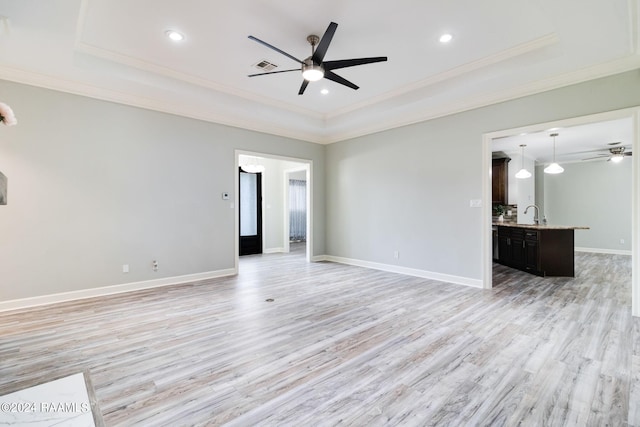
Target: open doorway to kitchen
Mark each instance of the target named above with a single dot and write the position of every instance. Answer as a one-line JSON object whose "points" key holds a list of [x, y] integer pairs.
{"points": [[599, 130], [276, 172]]}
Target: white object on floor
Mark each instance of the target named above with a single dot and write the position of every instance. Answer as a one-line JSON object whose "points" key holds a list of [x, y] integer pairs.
{"points": [[61, 402]]}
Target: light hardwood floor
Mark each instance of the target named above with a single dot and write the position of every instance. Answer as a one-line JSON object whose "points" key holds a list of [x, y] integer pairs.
{"points": [[343, 345]]}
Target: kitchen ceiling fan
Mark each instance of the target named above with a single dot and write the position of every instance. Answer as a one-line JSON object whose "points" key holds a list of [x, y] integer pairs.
{"points": [[314, 67], [616, 154]]}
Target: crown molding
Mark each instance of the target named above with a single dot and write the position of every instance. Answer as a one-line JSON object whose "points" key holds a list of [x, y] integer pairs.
{"points": [[191, 79], [621, 65], [496, 58], [324, 134], [166, 106], [88, 49]]}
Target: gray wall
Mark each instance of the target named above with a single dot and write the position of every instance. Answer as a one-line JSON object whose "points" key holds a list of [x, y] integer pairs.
{"points": [[408, 189], [94, 185], [596, 194]]}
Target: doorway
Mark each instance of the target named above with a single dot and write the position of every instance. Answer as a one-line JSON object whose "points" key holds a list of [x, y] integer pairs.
{"points": [[633, 115], [275, 222], [250, 211]]}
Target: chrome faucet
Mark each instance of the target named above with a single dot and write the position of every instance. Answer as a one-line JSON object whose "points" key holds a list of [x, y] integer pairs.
{"points": [[536, 216]]}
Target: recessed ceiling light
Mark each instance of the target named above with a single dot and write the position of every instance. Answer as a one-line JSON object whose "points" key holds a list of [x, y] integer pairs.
{"points": [[445, 38], [174, 35], [324, 91]]}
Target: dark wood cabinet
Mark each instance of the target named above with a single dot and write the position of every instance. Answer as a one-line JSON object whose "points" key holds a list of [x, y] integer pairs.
{"points": [[512, 247], [531, 252], [500, 181], [544, 252]]}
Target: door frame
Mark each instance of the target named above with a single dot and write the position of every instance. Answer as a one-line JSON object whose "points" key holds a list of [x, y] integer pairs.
{"points": [[487, 237], [308, 166]]}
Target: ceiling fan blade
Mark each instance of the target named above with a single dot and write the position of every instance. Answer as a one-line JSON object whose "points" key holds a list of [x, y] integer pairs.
{"points": [[305, 83], [321, 50], [336, 78], [273, 72], [275, 48], [344, 63], [627, 153]]}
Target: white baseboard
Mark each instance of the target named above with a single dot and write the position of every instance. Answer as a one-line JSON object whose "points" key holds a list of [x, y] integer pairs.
{"points": [[113, 289], [458, 280], [273, 251], [604, 251]]}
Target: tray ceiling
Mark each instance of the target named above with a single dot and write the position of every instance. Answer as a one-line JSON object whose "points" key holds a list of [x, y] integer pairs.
{"points": [[117, 50]]}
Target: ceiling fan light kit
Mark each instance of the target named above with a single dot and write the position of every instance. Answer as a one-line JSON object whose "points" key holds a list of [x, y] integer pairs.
{"points": [[315, 68], [617, 158], [312, 72], [618, 154]]}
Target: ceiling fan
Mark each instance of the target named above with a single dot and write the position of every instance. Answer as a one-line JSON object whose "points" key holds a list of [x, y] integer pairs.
{"points": [[314, 67], [616, 154]]}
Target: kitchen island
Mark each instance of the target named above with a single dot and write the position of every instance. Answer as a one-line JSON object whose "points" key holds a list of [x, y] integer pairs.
{"points": [[544, 250]]}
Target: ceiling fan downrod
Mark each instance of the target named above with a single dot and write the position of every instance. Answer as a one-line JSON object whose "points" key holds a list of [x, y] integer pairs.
{"points": [[313, 41]]}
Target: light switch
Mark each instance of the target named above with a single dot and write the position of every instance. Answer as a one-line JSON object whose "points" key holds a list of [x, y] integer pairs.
{"points": [[475, 203]]}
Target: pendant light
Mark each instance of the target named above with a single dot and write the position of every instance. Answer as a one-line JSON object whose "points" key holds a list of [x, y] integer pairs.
{"points": [[523, 173], [554, 168]]}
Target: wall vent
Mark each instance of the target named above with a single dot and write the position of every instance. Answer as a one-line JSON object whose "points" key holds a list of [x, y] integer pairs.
{"points": [[265, 65]]}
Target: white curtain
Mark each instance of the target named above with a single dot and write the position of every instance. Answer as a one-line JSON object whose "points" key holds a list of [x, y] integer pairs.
{"points": [[297, 210]]}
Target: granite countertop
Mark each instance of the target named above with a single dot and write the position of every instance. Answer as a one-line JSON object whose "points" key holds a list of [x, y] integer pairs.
{"points": [[540, 227]]}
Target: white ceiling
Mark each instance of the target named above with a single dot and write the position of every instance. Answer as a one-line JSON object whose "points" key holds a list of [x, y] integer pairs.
{"points": [[573, 144], [117, 50]]}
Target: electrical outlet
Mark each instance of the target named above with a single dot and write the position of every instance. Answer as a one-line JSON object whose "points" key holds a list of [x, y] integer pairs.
{"points": [[125, 268], [396, 254], [154, 265], [622, 241]]}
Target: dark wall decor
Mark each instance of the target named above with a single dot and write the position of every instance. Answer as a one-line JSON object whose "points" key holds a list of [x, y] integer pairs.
{"points": [[3, 189]]}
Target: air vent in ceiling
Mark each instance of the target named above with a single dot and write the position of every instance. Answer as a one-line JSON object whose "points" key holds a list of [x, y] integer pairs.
{"points": [[265, 65]]}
